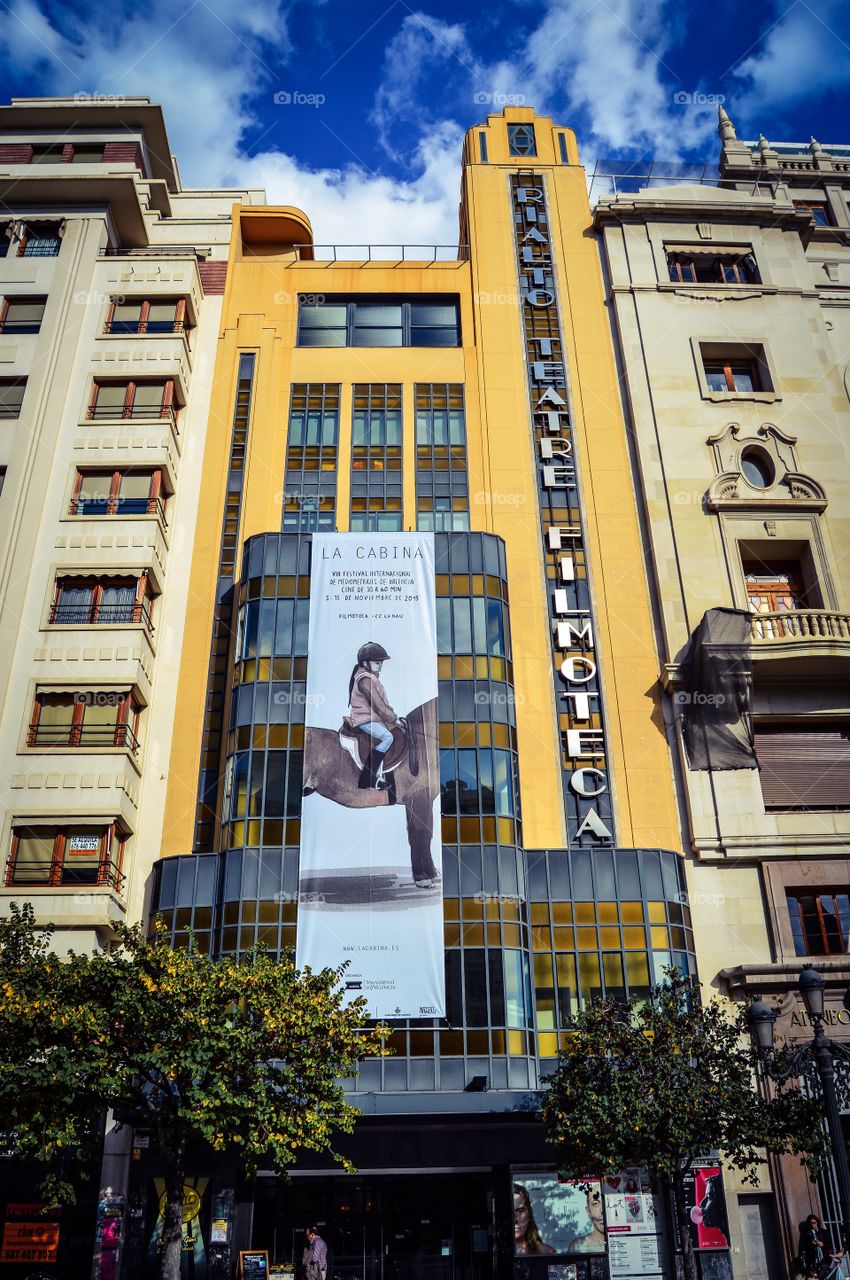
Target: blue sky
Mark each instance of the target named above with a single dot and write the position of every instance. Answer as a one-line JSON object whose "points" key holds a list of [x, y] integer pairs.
{"points": [[381, 91]]}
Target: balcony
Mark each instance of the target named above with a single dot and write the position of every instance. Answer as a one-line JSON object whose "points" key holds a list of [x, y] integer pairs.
{"points": [[133, 413], [101, 615], [119, 507], [35, 873], [72, 736], [818, 635]]}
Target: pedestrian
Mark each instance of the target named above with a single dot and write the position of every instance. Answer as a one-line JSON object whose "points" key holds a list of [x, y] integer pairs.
{"points": [[813, 1249], [315, 1257]]}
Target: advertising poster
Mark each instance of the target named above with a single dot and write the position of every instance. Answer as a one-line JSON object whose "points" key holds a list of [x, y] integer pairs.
{"points": [[633, 1222], [370, 889], [707, 1207], [552, 1217]]}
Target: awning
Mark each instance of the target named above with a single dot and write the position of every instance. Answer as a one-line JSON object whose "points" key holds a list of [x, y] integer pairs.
{"points": [[695, 250]]}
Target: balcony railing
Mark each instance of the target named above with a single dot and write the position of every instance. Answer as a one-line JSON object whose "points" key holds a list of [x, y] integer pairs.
{"points": [[20, 326], [119, 507], [90, 615], [35, 873], [10, 408], [145, 326], [137, 412], [82, 735], [799, 624], [42, 248]]}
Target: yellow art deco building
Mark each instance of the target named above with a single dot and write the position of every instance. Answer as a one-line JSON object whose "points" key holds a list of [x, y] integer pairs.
{"points": [[470, 391]]}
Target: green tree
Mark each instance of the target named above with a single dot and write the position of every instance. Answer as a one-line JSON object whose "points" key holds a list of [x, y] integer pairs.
{"points": [[663, 1082], [242, 1054]]}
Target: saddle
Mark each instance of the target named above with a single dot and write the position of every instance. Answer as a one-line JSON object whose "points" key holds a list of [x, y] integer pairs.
{"points": [[358, 744]]}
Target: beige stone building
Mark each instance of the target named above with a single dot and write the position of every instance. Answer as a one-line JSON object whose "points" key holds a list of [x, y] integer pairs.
{"points": [[111, 284], [730, 304]]}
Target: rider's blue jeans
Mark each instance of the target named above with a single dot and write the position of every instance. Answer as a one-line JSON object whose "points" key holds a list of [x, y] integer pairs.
{"points": [[381, 734]]}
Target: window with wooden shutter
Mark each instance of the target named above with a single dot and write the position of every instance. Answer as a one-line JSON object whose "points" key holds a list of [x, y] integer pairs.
{"points": [[804, 768]]}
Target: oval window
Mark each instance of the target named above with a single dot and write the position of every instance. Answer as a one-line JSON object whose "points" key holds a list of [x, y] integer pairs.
{"points": [[756, 469]]}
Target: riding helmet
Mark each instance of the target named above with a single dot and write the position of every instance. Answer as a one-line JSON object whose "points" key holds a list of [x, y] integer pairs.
{"points": [[372, 653]]}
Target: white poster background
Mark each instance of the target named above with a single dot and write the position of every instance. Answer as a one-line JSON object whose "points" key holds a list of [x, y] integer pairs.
{"points": [[357, 898]]}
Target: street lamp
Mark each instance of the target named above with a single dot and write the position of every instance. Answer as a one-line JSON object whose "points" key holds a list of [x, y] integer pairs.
{"points": [[761, 1021]]}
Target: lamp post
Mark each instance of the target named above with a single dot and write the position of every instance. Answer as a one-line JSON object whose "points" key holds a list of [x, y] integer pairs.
{"points": [[761, 1021]]}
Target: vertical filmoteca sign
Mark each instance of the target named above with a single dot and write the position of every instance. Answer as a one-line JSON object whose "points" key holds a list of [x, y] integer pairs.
{"points": [[370, 891]]}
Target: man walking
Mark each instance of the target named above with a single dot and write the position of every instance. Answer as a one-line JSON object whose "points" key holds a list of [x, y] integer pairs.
{"points": [[315, 1256]]}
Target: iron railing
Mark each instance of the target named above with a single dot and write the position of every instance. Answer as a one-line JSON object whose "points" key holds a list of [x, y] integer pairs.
{"points": [[87, 615], [139, 413], [119, 507], [82, 735], [97, 875]]}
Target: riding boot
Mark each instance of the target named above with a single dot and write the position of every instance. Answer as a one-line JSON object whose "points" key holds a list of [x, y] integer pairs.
{"points": [[369, 773]]}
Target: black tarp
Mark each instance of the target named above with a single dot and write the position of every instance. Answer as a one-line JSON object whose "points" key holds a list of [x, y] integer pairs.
{"points": [[715, 703]]}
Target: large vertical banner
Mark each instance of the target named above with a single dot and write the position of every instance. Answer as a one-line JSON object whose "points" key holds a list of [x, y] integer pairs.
{"points": [[370, 888]]}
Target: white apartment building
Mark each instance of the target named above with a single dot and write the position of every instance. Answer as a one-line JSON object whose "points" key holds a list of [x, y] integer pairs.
{"points": [[111, 284]]}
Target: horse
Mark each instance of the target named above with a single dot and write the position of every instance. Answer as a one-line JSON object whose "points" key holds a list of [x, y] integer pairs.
{"points": [[331, 771]]}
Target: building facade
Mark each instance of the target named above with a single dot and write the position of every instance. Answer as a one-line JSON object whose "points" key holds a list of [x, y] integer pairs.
{"points": [[471, 393], [729, 308], [111, 286]]}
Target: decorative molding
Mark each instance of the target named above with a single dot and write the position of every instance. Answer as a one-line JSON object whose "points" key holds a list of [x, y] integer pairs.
{"points": [[790, 488]]}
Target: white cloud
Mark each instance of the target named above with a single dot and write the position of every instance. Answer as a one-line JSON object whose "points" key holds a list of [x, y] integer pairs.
{"points": [[351, 205], [805, 54]]}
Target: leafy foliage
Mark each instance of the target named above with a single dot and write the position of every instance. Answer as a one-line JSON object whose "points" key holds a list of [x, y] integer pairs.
{"points": [[665, 1081], [243, 1053]]}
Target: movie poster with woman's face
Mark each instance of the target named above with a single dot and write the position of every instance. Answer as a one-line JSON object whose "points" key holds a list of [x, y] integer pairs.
{"points": [[554, 1217]]}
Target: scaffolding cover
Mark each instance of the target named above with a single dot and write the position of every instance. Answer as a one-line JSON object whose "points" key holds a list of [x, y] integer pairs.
{"points": [[715, 703]]}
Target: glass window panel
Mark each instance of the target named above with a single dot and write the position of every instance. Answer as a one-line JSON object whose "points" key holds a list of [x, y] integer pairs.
{"points": [[255, 786], [285, 610], [111, 395], [444, 624], [302, 616], [56, 709], [239, 793], [35, 855], [515, 993], [467, 782], [386, 315], [432, 313], [26, 312], [479, 624], [486, 784], [265, 636], [148, 395], [135, 484], [433, 338], [504, 784], [495, 629], [742, 376], [716, 379], [462, 625], [323, 317], [321, 338], [162, 313], [475, 985], [376, 338]]}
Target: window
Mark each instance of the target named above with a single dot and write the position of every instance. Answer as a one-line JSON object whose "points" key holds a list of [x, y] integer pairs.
{"points": [[426, 321], [21, 315], [311, 458], [757, 469], [85, 718], [802, 768], [376, 466], [11, 396], [737, 369], [442, 485], [521, 140], [52, 153], [143, 315], [40, 242], [121, 493], [132, 400], [69, 855], [819, 210], [702, 266], [87, 153], [774, 587], [820, 923], [102, 602]]}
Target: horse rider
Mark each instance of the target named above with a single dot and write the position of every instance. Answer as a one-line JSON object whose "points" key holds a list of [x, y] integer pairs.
{"points": [[371, 712]]}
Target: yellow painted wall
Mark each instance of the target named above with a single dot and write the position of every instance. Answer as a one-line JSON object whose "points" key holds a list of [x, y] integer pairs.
{"points": [[260, 313]]}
